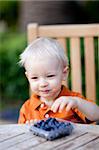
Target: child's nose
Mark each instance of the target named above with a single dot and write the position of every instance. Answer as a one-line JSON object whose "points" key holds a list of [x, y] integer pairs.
{"points": [[43, 83]]}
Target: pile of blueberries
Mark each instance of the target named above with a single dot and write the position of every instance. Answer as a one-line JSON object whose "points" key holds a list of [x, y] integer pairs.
{"points": [[51, 124], [52, 128]]}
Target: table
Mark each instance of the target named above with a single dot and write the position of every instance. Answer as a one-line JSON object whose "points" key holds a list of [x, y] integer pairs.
{"points": [[18, 137]]}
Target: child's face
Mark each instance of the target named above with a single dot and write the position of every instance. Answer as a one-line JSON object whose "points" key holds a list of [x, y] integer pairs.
{"points": [[45, 77]]}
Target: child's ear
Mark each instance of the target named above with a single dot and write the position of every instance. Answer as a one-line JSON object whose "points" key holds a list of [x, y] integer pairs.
{"points": [[26, 74], [65, 73]]}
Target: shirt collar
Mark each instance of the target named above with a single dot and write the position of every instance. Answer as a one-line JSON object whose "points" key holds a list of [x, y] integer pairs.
{"points": [[35, 101]]}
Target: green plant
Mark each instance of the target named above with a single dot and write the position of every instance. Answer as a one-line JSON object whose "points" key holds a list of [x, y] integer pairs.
{"points": [[9, 11], [13, 84]]}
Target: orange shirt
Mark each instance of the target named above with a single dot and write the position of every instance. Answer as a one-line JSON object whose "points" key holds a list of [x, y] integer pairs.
{"points": [[32, 109]]}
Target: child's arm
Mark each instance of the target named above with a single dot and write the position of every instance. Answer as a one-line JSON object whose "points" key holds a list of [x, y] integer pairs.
{"points": [[21, 118], [91, 110]]}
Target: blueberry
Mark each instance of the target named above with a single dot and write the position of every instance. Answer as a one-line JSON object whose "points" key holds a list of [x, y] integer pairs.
{"points": [[49, 119]]}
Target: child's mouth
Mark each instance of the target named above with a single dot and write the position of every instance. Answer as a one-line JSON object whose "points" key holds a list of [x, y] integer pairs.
{"points": [[45, 91]]}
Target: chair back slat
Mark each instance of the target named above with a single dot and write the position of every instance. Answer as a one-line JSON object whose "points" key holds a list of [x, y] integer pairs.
{"points": [[62, 41], [75, 64], [32, 32], [74, 33], [90, 68]]}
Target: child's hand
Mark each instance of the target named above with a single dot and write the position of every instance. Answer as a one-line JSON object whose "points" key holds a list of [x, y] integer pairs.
{"points": [[65, 101], [31, 122]]}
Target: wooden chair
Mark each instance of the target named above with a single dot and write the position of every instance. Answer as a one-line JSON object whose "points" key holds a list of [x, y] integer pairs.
{"points": [[74, 33]]}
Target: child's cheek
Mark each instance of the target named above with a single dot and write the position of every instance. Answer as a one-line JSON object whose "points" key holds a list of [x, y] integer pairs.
{"points": [[55, 83], [33, 86]]}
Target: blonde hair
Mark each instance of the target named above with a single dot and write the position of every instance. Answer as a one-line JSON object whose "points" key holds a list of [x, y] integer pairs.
{"points": [[43, 47]]}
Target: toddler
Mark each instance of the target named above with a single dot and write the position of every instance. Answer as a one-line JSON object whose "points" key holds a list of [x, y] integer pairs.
{"points": [[46, 67]]}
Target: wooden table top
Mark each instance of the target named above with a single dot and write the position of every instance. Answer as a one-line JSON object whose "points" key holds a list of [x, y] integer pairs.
{"points": [[18, 137]]}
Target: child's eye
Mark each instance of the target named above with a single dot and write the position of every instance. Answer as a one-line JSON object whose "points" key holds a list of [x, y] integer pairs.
{"points": [[50, 76], [34, 78]]}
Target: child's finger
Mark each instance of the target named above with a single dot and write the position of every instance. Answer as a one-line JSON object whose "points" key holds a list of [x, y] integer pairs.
{"points": [[69, 106], [61, 107], [35, 120], [27, 122], [31, 121], [55, 107]]}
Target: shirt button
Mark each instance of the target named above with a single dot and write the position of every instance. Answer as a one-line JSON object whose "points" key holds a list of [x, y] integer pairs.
{"points": [[42, 105], [47, 116]]}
